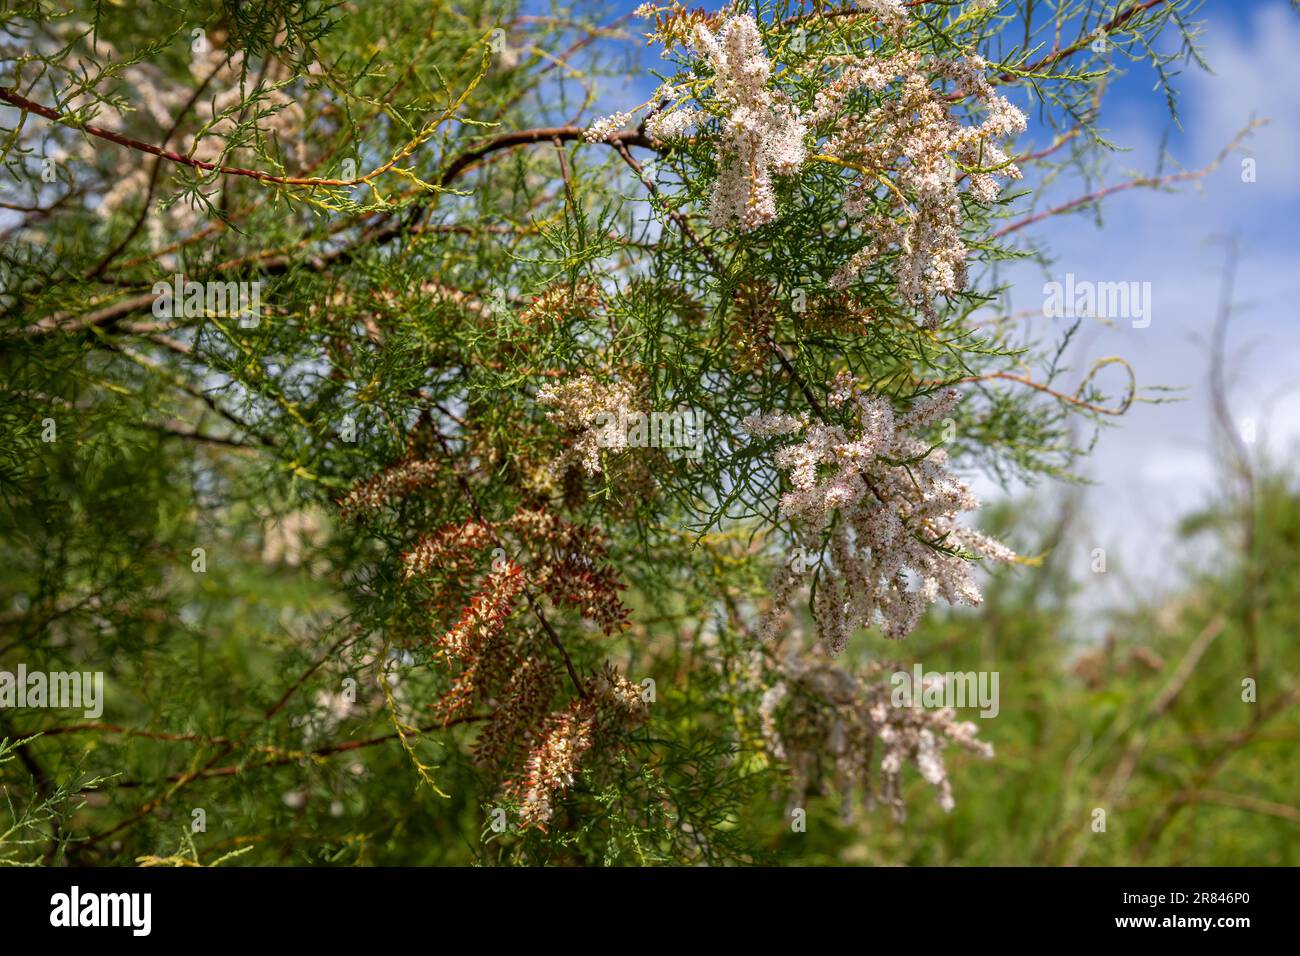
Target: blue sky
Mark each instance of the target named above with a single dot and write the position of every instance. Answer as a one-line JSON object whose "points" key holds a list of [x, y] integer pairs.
{"points": [[1161, 460]]}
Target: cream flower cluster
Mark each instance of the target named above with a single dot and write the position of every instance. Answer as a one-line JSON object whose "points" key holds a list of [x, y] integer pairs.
{"points": [[669, 124], [587, 405], [602, 129], [826, 722], [762, 134], [888, 504], [907, 144], [914, 142], [558, 750]]}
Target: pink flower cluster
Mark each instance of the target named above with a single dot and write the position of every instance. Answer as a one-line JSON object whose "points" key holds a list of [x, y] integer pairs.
{"points": [[896, 118], [913, 144], [825, 722], [560, 746], [887, 504]]}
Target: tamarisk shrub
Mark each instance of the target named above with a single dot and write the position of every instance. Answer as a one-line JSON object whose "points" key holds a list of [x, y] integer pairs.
{"points": [[795, 236]]}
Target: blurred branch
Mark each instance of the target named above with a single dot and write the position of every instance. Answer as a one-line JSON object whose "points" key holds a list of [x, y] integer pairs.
{"points": [[1230, 435], [1210, 770]]}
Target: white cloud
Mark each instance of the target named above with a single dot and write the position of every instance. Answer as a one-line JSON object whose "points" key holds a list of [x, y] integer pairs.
{"points": [[1256, 72]]}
